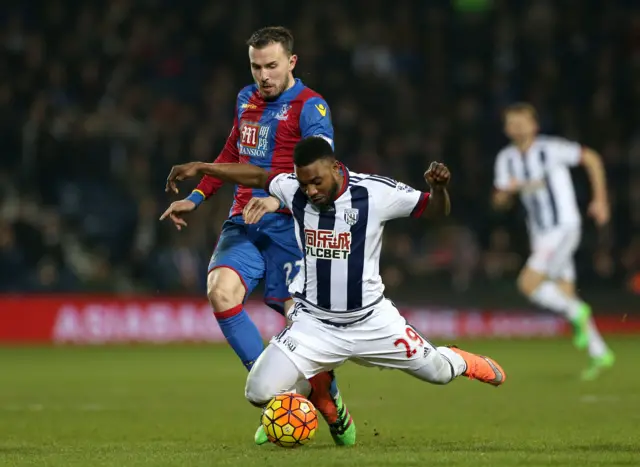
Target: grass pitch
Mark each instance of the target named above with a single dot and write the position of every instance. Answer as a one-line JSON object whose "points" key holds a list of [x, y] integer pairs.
{"points": [[184, 406]]}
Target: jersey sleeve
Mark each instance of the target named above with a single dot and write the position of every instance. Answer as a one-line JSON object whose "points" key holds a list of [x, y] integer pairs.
{"points": [[315, 119], [282, 186], [502, 174], [394, 200], [209, 185], [565, 152]]}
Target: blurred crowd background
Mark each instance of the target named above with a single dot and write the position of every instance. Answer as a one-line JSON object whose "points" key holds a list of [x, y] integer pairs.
{"points": [[99, 99]]}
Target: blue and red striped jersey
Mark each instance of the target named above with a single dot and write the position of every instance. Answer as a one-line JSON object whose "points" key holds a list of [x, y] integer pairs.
{"points": [[265, 133]]}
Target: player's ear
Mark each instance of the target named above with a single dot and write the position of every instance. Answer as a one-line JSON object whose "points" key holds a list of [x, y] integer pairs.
{"points": [[335, 167], [292, 62]]}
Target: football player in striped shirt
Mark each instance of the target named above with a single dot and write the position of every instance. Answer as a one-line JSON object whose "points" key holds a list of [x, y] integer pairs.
{"points": [[340, 310], [537, 169]]}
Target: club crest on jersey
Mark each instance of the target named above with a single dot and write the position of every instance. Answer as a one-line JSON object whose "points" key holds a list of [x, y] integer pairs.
{"points": [[254, 139], [327, 244], [351, 216], [283, 115], [402, 187]]}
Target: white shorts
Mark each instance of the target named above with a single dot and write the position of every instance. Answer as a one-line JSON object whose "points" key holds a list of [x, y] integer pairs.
{"points": [[382, 339], [552, 253]]}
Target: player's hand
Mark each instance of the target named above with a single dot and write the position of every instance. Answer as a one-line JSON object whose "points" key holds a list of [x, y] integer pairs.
{"points": [[179, 173], [599, 211], [438, 175], [258, 207], [177, 210], [527, 187], [514, 186]]}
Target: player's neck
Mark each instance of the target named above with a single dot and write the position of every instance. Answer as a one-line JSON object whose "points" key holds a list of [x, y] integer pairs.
{"points": [[292, 82], [342, 179], [524, 145]]}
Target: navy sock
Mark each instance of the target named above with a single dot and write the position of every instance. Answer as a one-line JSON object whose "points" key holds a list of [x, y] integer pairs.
{"points": [[242, 335]]}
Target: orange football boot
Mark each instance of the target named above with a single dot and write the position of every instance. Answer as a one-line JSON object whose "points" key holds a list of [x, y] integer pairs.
{"points": [[482, 368]]}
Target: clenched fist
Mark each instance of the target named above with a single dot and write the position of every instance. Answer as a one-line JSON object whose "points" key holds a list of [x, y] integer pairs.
{"points": [[438, 175]]}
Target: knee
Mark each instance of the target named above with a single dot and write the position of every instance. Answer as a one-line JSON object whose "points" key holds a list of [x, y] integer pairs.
{"points": [[221, 299], [437, 370], [258, 391], [522, 285], [528, 281], [437, 374], [441, 377], [224, 289]]}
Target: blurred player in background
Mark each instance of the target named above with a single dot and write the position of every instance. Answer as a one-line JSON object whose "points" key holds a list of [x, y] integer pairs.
{"points": [[271, 116], [536, 168]]}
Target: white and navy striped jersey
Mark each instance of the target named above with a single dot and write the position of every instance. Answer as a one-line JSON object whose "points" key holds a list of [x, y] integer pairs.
{"points": [[550, 200], [340, 277]]}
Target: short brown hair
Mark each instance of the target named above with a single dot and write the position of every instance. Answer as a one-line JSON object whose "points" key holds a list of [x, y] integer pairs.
{"points": [[272, 35], [521, 107]]}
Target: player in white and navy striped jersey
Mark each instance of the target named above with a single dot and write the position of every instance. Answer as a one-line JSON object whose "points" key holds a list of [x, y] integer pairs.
{"points": [[537, 168], [340, 278], [340, 311]]}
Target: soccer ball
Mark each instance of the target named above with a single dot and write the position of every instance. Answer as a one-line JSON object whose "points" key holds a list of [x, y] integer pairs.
{"points": [[290, 420]]}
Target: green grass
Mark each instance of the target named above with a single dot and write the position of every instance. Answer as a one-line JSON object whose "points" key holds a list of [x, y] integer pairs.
{"points": [[184, 406]]}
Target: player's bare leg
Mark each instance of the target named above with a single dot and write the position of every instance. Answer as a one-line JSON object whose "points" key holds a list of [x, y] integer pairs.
{"points": [[559, 296], [601, 356], [226, 293], [545, 293], [274, 373]]}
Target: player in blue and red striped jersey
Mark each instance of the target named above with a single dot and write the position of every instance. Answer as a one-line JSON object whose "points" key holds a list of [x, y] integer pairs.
{"points": [[271, 117]]}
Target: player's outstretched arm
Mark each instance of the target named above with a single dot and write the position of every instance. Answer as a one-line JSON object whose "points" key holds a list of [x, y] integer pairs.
{"points": [[242, 174], [438, 176], [599, 206]]}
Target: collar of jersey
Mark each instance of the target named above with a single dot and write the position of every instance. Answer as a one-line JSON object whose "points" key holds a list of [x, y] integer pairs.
{"points": [[345, 181]]}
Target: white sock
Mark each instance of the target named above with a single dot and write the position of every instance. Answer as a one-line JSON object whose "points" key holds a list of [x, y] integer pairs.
{"points": [[549, 295], [597, 347], [458, 364]]}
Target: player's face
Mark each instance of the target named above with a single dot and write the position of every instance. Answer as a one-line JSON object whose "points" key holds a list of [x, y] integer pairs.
{"points": [[320, 181], [271, 68], [520, 126]]}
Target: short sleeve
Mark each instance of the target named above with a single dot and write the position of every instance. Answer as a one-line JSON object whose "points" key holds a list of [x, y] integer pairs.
{"points": [[394, 199], [282, 186], [315, 120], [503, 171], [565, 152]]}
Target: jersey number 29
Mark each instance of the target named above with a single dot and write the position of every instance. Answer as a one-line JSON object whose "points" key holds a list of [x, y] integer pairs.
{"points": [[413, 337]]}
